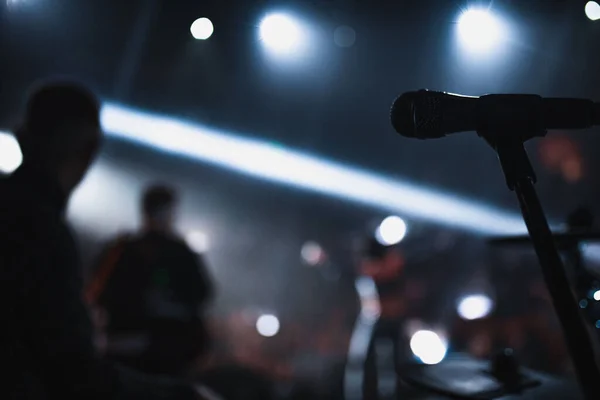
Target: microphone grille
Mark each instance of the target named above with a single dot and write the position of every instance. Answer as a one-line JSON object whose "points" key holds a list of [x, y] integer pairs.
{"points": [[418, 115]]}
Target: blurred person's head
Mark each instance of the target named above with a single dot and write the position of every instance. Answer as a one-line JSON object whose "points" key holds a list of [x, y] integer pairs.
{"points": [[388, 257], [159, 204], [60, 132]]}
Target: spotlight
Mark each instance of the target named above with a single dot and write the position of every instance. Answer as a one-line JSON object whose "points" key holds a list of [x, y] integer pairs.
{"points": [[281, 33], [597, 295], [10, 153], [428, 346], [198, 241], [202, 29], [592, 10], [267, 325], [475, 306], [312, 253], [479, 30], [391, 231]]}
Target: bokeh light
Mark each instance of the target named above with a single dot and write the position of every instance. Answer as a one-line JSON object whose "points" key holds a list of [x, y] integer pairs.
{"points": [[10, 153], [202, 29], [592, 10], [312, 253], [474, 306], [267, 325], [428, 347], [391, 231]]}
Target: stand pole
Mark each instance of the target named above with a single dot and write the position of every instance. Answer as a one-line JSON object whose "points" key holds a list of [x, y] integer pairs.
{"points": [[520, 178]]}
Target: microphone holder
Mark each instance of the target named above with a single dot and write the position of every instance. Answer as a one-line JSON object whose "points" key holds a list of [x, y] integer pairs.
{"points": [[520, 178]]}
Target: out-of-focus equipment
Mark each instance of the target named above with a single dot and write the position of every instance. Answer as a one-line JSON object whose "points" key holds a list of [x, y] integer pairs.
{"points": [[502, 378], [506, 122], [579, 230]]}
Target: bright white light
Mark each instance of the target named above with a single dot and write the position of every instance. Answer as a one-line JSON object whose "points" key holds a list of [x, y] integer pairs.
{"points": [[312, 253], [391, 231], [592, 10], [597, 295], [106, 200], [10, 153], [202, 29], [198, 241], [475, 307], [279, 164], [428, 346], [267, 325], [281, 33], [344, 36], [479, 30]]}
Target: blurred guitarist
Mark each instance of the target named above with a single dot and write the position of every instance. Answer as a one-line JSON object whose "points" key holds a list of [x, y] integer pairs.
{"points": [[149, 292], [385, 265]]}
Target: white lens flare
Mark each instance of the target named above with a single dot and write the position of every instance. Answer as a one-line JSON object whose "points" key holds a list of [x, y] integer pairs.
{"points": [[10, 153], [592, 10], [267, 325], [202, 29], [428, 347], [391, 231], [281, 33], [474, 306], [479, 30]]}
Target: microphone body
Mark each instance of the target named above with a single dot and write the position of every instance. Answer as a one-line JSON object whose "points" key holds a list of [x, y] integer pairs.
{"points": [[426, 114]]}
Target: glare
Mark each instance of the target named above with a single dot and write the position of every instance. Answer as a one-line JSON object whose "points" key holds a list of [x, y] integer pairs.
{"points": [[592, 10], [391, 231], [474, 307], [267, 325], [283, 165], [286, 166], [597, 295], [281, 33], [312, 253], [197, 241], [428, 347], [10, 153], [479, 30], [202, 29]]}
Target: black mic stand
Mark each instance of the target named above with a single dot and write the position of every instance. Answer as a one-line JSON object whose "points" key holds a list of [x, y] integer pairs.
{"points": [[520, 178]]}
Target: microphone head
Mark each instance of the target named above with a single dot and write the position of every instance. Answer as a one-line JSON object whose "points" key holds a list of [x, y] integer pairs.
{"points": [[418, 114]]}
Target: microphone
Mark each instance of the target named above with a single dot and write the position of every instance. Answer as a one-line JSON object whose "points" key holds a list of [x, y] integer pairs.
{"points": [[427, 114]]}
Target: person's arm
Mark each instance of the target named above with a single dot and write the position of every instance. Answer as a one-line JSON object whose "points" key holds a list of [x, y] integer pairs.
{"points": [[59, 333]]}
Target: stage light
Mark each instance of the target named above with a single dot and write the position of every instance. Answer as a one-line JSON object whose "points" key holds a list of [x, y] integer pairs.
{"points": [[479, 30], [197, 241], [312, 253], [202, 29], [281, 33], [592, 10], [475, 306], [267, 325], [282, 165], [597, 295], [391, 231], [10, 153], [428, 347], [344, 36]]}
